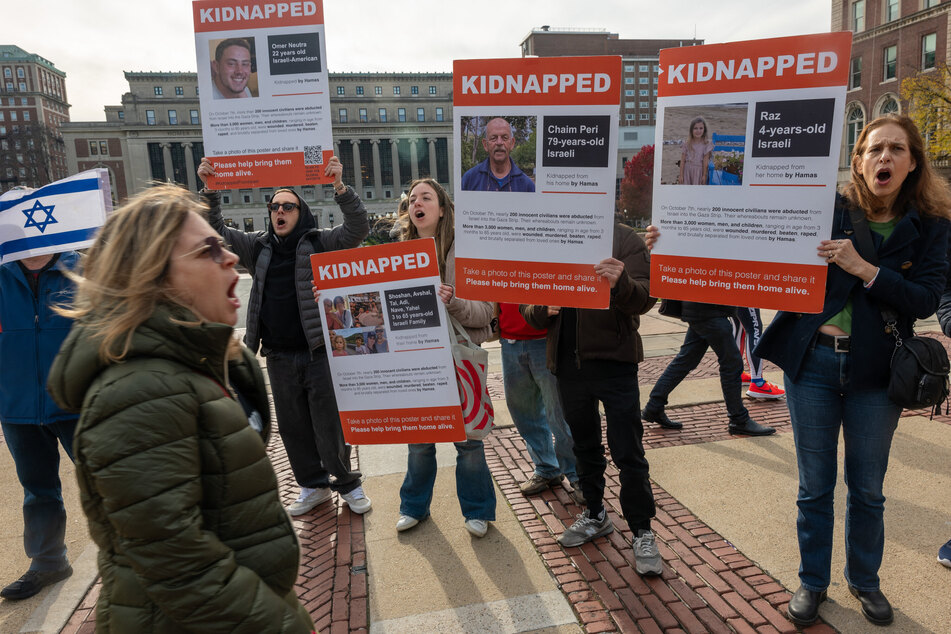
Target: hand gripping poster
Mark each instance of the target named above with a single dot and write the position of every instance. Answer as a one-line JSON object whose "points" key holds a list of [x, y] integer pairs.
{"points": [[387, 338], [535, 161], [747, 152], [263, 87]]}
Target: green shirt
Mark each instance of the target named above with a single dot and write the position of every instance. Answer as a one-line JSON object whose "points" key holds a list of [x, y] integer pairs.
{"points": [[843, 319]]}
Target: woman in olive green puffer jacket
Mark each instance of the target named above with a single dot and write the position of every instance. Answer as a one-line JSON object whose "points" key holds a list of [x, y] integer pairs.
{"points": [[180, 496]]}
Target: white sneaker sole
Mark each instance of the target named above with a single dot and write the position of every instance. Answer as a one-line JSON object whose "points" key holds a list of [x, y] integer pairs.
{"points": [[751, 394], [944, 562]]}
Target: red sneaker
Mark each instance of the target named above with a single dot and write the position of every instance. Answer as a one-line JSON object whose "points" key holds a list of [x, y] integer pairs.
{"points": [[745, 378], [766, 390]]}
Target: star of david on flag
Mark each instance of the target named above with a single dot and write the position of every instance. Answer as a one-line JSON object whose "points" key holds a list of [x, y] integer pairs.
{"points": [[62, 216]]}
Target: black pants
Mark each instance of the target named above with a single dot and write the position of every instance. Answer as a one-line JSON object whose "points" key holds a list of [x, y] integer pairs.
{"points": [[580, 392]]}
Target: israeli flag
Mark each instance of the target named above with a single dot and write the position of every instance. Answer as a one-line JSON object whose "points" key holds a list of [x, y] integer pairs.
{"points": [[62, 216]]}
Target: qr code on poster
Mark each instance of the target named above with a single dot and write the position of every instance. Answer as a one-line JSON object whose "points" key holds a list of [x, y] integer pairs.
{"points": [[313, 154]]}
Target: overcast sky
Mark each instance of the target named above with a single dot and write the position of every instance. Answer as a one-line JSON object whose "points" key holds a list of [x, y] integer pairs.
{"points": [[95, 41]]}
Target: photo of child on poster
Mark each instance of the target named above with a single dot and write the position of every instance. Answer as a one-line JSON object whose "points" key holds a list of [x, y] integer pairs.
{"points": [[704, 145]]}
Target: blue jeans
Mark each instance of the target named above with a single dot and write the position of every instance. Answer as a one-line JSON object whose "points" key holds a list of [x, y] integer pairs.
{"points": [[716, 333], [473, 481], [820, 402], [308, 420], [531, 393], [36, 456]]}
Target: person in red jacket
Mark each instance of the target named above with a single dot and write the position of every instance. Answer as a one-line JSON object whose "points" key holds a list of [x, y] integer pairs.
{"points": [[531, 394]]}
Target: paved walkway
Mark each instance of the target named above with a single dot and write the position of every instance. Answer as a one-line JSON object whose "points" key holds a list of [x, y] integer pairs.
{"points": [[725, 524]]}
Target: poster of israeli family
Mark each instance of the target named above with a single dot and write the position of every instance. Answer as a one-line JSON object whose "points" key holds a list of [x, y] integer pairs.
{"points": [[389, 345], [263, 88], [535, 162], [747, 150]]}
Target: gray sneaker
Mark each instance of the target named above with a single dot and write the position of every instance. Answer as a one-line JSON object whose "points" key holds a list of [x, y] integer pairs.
{"points": [[646, 556], [586, 528], [537, 484]]}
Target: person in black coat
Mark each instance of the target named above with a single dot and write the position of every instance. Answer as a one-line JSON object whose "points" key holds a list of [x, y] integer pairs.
{"points": [[836, 362]]}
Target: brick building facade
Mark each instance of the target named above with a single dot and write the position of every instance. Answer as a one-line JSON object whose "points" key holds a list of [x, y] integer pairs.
{"points": [[893, 39], [32, 107]]}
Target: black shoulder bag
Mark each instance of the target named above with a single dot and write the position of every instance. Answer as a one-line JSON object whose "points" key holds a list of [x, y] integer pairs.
{"points": [[919, 365]]}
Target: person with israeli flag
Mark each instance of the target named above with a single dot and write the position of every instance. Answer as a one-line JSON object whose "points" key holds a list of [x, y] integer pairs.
{"points": [[39, 232]]}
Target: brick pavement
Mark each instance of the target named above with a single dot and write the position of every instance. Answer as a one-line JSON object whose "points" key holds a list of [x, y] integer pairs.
{"points": [[707, 585]]}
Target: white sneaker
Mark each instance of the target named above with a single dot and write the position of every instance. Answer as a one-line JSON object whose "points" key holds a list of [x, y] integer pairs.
{"points": [[307, 500], [356, 500], [405, 522], [477, 527], [646, 555]]}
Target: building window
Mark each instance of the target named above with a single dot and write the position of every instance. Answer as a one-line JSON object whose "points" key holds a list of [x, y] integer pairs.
{"points": [[642, 68], [193, 117], [643, 80], [173, 117], [359, 90], [157, 90], [396, 90], [382, 113], [889, 105], [629, 81], [150, 117], [378, 90], [892, 9], [20, 73], [342, 115], [855, 73], [93, 148], [414, 90], [644, 104], [363, 115], [420, 114], [341, 90], [928, 46], [7, 72], [439, 114], [432, 90], [98, 147], [628, 93], [22, 87], [26, 115], [179, 91], [9, 86], [645, 116], [629, 68], [122, 115], [1, 115], [643, 92], [854, 125], [889, 62], [401, 115], [858, 16], [628, 104], [931, 3]]}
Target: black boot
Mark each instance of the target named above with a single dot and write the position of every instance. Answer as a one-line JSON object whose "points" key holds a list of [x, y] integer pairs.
{"points": [[875, 607], [660, 417], [751, 428], [804, 606]]}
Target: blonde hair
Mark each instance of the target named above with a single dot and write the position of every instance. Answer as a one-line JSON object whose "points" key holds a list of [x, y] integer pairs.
{"points": [[124, 272], [445, 227], [923, 187]]}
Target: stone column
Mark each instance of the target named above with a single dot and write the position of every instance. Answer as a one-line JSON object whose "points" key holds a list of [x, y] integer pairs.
{"points": [[432, 158], [413, 158], [395, 153], [167, 159], [377, 172], [190, 175], [357, 183]]}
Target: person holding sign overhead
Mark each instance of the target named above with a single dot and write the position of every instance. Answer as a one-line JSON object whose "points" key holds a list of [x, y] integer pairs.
{"points": [[431, 216], [286, 324], [836, 362]]}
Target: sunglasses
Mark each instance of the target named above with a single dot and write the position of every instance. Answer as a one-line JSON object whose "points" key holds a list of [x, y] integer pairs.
{"points": [[285, 207], [215, 247]]}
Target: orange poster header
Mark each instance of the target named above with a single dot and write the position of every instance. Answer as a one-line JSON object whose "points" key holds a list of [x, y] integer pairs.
{"points": [[230, 15], [805, 61], [537, 81], [373, 265]]}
